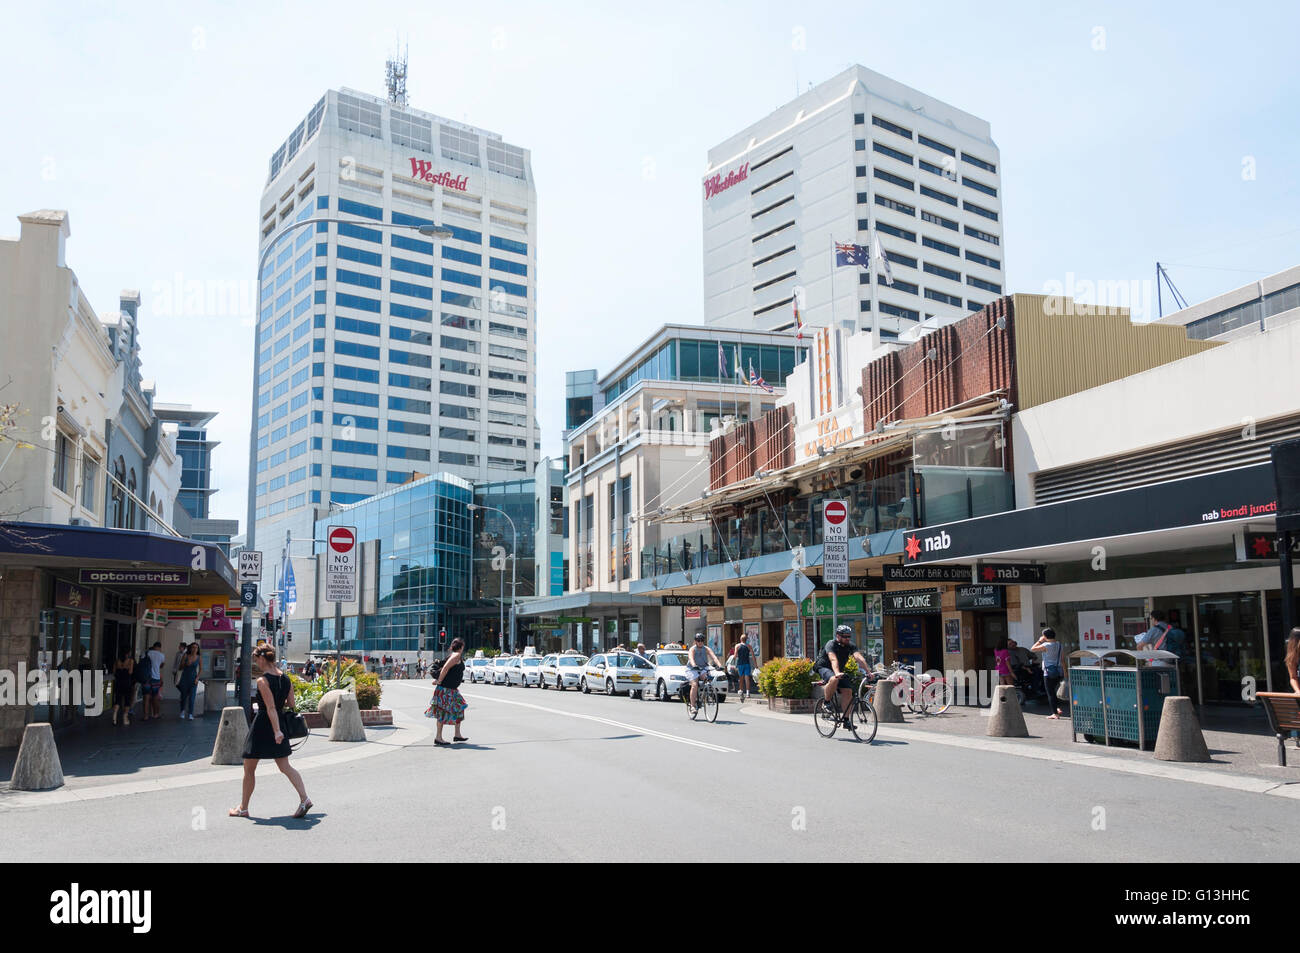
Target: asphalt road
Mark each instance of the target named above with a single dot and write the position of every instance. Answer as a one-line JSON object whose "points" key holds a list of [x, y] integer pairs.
{"points": [[563, 776]]}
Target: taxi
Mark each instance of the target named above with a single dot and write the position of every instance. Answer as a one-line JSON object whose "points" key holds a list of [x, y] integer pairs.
{"points": [[563, 669], [500, 669], [524, 670], [614, 672], [670, 673], [478, 669]]}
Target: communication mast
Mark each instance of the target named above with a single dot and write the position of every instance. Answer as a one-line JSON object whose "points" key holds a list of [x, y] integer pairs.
{"points": [[395, 75]]}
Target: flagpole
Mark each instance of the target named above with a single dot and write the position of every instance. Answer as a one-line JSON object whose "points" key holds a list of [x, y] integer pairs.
{"points": [[871, 277]]}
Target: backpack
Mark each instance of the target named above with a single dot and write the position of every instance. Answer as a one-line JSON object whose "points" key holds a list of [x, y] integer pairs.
{"points": [[143, 668], [1172, 640]]}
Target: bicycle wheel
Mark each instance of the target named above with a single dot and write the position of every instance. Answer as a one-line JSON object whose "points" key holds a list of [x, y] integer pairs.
{"points": [[863, 724], [939, 696], [912, 697], [709, 702], [824, 719]]}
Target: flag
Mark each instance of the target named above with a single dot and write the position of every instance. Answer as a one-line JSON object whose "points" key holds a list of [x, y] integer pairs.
{"points": [[722, 363], [846, 253], [798, 321], [290, 590], [883, 262], [739, 370], [758, 381]]}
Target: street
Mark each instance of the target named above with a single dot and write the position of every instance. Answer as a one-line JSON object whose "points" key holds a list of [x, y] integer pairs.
{"points": [[547, 776]]}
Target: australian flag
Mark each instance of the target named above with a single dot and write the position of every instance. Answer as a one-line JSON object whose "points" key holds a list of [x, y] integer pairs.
{"points": [[847, 253]]}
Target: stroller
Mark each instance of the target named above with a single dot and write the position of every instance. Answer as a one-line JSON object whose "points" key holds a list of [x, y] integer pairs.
{"points": [[1030, 685]]}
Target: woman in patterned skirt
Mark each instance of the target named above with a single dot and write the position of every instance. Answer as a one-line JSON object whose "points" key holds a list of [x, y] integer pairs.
{"points": [[448, 704]]}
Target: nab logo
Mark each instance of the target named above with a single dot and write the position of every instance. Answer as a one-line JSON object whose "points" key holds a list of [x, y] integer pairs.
{"points": [[931, 544]]}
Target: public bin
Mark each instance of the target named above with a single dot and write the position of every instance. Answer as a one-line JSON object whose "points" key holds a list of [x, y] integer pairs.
{"points": [[1121, 702]]}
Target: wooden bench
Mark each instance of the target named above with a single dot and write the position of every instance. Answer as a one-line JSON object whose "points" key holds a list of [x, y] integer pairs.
{"points": [[1283, 711]]}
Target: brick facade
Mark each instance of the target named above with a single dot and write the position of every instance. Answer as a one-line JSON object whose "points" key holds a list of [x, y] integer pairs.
{"points": [[763, 444], [20, 613]]}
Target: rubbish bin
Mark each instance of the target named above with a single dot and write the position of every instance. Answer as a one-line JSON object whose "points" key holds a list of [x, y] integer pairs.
{"points": [[1119, 702]]}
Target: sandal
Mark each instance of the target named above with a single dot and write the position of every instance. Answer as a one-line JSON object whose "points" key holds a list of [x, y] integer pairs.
{"points": [[237, 812], [303, 808]]}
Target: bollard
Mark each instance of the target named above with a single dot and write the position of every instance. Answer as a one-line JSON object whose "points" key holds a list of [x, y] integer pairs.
{"points": [[232, 735], [328, 702], [1006, 719], [38, 767], [886, 707], [346, 725], [1180, 738]]}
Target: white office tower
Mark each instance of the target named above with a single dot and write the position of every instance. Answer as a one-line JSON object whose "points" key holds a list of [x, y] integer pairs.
{"points": [[381, 351], [856, 153]]}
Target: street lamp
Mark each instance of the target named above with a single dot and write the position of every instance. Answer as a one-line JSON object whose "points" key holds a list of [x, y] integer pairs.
{"points": [[436, 232], [514, 564]]}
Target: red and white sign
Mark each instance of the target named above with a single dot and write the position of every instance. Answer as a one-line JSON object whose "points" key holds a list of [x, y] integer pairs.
{"points": [[1097, 629], [835, 542], [422, 169], [341, 564], [718, 183]]}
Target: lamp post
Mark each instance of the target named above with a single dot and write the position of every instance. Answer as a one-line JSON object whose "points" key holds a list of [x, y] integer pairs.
{"points": [[436, 232], [514, 564]]}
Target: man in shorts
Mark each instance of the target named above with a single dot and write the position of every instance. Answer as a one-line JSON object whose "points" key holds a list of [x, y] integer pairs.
{"points": [[744, 667], [153, 688], [830, 665]]}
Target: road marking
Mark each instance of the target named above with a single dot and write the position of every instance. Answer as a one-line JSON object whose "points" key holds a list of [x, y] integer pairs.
{"points": [[616, 724]]}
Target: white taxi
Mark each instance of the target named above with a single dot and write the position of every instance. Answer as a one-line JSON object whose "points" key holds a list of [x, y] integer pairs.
{"points": [[525, 670], [613, 672], [500, 667], [670, 673], [478, 669]]}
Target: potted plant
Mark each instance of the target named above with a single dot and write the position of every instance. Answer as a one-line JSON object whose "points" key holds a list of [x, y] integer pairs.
{"points": [[787, 685]]}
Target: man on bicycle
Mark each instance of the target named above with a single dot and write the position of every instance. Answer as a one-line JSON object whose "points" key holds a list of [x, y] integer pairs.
{"points": [[697, 665], [830, 665]]}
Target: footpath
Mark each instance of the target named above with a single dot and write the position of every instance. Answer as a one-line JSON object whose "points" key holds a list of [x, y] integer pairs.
{"points": [[104, 760], [1242, 751]]}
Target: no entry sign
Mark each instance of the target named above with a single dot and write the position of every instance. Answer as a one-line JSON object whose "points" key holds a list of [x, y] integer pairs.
{"points": [[835, 542], [341, 564]]}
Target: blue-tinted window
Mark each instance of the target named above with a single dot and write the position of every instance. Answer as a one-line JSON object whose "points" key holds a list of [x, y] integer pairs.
{"points": [[356, 278], [357, 208], [298, 449], [322, 249], [348, 230], [360, 398], [451, 253], [941, 196], [356, 254], [463, 300], [411, 267], [318, 416], [412, 314], [315, 496], [415, 291], [349, 373], [322, 201], [278, 434], [282, 322], [280, 390], [417, 406], [283, 300], [298, 475], [357, 421], [298, 423], [356, 350], [404, 357], [318, 296], [301, 353], [506, 244], [281, 366], [513, 267], [510, 288], [979, 186], [302, 261], [355, 301], [352, 473], [318, 346], [302, 283], [355, 446], [298, 400], [302, 307], [408, 453], [411, 244], [940, 246]]}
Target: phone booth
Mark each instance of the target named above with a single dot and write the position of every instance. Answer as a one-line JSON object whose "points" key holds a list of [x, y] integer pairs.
{"points": [[216, 637]]}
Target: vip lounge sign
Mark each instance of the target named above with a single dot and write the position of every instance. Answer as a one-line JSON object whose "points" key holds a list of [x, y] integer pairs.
{"points": [[717, 184], [908, 601], [422, 169]]}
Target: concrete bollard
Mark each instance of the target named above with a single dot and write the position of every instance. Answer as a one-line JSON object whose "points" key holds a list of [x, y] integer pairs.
{"points": [[1006, 720], [346, 725], [886, 708], [328, 702], [1180, 738], [38, 767], [232, 735]]}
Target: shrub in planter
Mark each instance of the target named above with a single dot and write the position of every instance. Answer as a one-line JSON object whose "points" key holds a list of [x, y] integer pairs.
{"points": [[306, 695], [794, 678], [766, 677], [368, 690]]}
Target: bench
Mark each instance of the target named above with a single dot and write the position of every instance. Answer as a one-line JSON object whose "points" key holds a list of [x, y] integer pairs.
{"points": [[1283, 711]]}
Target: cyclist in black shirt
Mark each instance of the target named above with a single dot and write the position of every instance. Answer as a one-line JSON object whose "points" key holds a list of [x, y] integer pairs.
{"points": [[830, 664]]}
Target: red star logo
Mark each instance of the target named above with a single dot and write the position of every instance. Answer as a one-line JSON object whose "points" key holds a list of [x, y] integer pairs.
{"points": [[1261, 547], [913, 547], [988, 573]]}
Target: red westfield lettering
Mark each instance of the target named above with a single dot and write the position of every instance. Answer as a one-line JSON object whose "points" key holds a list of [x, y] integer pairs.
{"points": [[716, 184], [422, 169]]}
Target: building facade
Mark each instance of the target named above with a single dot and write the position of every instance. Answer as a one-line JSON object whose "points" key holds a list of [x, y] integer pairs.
{"points": [[380, 351], [1264, 304], [855, 153]]}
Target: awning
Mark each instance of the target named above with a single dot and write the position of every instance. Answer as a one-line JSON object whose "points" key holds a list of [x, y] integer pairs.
{"points": [[595, 600]]}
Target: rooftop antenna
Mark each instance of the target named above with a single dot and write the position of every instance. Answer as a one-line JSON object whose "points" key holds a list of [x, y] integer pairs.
{"points": [[1163, 275], [395, 75]]}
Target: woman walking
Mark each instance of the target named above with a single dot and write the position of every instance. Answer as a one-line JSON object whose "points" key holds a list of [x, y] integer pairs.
{"points": [[448, 704], [191, 667], [266, 738], [123, 686], [1053, 667]]}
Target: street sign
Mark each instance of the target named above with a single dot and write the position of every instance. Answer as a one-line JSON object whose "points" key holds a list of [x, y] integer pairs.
{"points": [[797, 586], [248, 595], [341, 564], [835, 542], [250, 566]]}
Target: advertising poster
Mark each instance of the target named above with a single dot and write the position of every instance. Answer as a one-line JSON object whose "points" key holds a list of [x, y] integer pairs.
{"points": [[793, 642], [1097, 629], [755, 642], [952, 636], [715, 639]]}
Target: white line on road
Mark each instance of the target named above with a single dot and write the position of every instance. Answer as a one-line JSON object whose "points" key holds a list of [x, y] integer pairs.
{"points": [[617, 724]]}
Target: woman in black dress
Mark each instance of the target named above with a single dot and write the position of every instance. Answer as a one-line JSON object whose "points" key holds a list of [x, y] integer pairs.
{"points": [[266, 738]]}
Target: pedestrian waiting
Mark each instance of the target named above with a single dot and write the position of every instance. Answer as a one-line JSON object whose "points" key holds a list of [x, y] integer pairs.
{"points": [[191, 667], [448, 704]]}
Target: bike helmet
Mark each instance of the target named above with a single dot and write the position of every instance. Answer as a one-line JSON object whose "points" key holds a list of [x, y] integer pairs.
{"points": [[844, 630]]}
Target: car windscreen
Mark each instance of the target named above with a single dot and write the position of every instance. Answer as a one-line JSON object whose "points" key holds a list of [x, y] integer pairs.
{"points": [[571, 660], [671, 658], [532, 662]]}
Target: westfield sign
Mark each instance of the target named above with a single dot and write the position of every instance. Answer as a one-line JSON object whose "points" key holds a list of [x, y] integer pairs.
{"points": [[422, 169], [716, 184]]}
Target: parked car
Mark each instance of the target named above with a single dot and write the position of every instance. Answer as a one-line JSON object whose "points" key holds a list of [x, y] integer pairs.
{"points": [[562, 670], [500, 665], [670, 674], [614, 672], [479, 669], [525, 670]]}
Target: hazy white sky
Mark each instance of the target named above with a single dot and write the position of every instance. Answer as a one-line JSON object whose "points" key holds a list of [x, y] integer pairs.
{"points": [[1127, 136]]}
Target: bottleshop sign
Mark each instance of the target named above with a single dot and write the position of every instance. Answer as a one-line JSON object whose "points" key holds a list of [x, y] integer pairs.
{"points": [[422, 169], [716, 184], [910, 601], [756, 592]]}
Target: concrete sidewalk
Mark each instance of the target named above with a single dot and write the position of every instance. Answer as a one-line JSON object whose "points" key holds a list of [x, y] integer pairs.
{"points": [[1240, 744]]}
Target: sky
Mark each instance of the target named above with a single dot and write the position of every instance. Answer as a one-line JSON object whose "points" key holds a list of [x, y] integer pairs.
{"points": [[1129, 134]]}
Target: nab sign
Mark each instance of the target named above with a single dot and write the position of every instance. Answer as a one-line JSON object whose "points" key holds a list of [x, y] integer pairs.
{"points": [[341, 564]]}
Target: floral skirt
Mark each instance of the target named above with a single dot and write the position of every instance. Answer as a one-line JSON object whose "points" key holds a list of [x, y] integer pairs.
{"points": [[447, 705]]}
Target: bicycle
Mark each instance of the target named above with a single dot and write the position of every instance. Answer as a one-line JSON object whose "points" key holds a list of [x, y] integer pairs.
{"points": [[921, 694], [859, 719], [708, 696]]}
